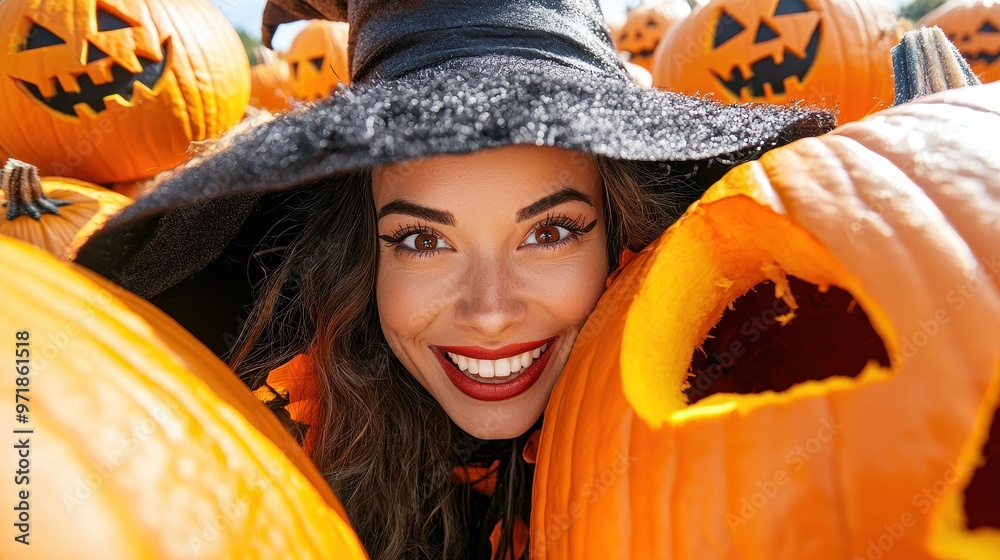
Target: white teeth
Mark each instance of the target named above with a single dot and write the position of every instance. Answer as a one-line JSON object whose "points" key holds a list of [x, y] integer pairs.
{"points": [[502, 368], [515, 364], [497, 368], [486, 368], [526, 359]]}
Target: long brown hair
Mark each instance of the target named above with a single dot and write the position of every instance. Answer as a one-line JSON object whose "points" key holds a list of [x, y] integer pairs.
{"points": [[386, 446]]}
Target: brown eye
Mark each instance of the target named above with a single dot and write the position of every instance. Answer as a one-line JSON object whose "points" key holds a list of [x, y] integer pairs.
{"points": [[417, 242], [547, 234], [425, 242]]}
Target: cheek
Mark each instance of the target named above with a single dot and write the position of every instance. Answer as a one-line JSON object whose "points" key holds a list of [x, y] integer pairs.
{"points": [[409, 300], [569, 289]]}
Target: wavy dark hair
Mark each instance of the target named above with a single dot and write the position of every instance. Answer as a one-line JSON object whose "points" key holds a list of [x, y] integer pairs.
{"points": [[386, 446]]}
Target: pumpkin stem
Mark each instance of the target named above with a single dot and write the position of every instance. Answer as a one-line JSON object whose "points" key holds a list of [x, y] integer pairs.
{"points": [[265, 55], [23, 189], [925, 61]]}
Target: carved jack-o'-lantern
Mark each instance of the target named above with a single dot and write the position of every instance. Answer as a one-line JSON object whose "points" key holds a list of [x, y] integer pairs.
{"points": [[318, 59], [646, 26], [804, 366], [116, 90], [974, 27], [833, 53]]}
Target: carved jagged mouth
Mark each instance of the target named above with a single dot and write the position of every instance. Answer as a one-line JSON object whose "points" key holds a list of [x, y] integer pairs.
{"points": [[766, 71], [93, 95], [982, 56]]}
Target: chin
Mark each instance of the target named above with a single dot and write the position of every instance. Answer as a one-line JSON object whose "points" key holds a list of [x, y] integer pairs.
{"points": [[499, 429]]}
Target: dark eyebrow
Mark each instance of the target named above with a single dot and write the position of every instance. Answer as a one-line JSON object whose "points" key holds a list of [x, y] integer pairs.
{"points": [[447, 218], [418, 211], [567, 194]]}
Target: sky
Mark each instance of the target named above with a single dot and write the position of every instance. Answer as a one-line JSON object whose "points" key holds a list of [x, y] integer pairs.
{"points": [[245, 14]]}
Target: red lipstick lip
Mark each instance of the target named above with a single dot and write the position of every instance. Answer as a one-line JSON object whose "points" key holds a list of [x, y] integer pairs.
{"points": [[478, 390], [480, 353]]}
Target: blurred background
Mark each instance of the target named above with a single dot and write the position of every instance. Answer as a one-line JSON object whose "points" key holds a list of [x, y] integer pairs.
{"points": [[245, 16]]}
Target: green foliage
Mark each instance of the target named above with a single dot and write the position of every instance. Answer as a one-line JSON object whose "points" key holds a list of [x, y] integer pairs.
{"points": [[917, 9], [250, 44]]}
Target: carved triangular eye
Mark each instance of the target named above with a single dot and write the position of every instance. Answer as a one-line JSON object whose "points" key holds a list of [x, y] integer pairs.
{"points": [[106, 21], [727, 28], [317, 63], [39, 37], [790, 7], [295, 69], [765, 33], [988, 28], [94, 54]]}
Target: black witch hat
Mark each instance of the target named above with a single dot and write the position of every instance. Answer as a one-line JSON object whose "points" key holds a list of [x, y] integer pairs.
{"points": [[428, 77]]}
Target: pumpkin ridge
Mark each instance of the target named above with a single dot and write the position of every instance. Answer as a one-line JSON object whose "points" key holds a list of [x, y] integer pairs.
{"points": [[211, 104], [848, 149], [961, 211], [196, 111]]}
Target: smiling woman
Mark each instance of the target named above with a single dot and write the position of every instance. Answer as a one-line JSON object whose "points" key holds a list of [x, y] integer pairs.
{"points": [[480, 287], [405, 265], [464, 286]]}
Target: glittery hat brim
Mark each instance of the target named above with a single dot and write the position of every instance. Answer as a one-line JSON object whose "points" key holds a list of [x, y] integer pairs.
{"points": [[193, 214]]}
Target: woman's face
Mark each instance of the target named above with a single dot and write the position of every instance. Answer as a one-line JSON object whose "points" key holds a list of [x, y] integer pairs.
{"points": [[489, 264]]}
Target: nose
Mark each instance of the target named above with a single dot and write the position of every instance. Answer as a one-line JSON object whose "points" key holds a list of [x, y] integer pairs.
{"points": [[491, 302]]}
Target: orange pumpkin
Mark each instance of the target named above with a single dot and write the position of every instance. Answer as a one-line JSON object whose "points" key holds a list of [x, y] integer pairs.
{"points": [[318, 59], [646, 26], [804, 366], [270, 82], [145, 445], [832, 53], [116, 90], [974, 27], [54, 213]]}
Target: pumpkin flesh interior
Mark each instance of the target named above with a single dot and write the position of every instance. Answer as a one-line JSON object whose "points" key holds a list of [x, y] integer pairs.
{"points": [[727, 247], [983, 492], [761, 343], [966, 521]]}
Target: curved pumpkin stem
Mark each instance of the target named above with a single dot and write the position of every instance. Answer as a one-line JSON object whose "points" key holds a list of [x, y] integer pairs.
{"points": [[23, 188], [925, 61]]}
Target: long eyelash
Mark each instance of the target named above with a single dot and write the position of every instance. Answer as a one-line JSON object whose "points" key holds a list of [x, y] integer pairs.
{"points": [[395, 240], [402, 232], [576, 226]]}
